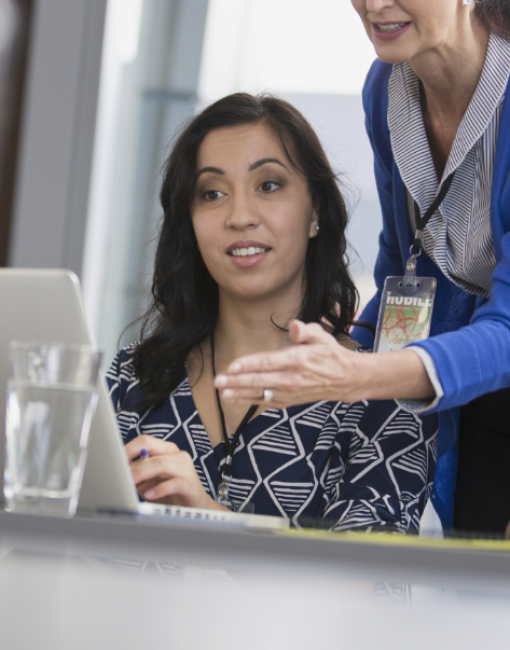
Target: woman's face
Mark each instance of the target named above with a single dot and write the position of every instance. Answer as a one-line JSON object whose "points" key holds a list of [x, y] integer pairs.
{"points": [[252, 214], [402, 29]]}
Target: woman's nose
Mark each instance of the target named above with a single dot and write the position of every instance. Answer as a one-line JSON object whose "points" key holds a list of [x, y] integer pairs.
{"points": [[375, 6], [243, 213]]}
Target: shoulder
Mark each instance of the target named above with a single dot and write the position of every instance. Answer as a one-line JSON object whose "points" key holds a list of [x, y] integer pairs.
{"points": [[375, 88], [122, 366], [375, 105], [121, 376]]}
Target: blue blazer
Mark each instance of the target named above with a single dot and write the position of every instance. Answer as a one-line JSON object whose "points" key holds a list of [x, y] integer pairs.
{"points": [[470, 337]]}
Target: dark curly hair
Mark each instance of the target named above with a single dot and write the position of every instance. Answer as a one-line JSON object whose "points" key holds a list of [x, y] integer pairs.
{"points": [[184, 309]]}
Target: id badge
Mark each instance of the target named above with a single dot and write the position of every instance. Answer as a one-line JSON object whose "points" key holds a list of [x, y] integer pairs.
{"points": [[405, 313]]}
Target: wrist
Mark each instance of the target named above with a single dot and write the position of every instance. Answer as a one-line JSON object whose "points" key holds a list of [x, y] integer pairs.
{"points": [[393, 375], [367, 369], [353, 382]]}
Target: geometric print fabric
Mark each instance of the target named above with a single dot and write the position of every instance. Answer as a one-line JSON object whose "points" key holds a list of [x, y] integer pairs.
{"points": [[364, 466]]}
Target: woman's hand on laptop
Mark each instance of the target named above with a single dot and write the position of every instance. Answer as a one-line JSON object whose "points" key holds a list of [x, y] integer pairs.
{"points": [[166, 474]]}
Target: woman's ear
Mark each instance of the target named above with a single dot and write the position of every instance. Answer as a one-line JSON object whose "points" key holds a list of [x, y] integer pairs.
{"points": [[314, 224]]}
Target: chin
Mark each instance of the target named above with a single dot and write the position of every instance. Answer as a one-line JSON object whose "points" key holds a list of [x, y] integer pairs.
{"points": [[396, 51], [252, 294], [392, 56]]}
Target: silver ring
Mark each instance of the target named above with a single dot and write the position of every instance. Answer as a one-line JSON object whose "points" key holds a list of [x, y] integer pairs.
{"points": [[267, 395]]}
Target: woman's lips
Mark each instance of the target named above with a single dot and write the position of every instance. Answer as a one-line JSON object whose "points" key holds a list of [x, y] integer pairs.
{"points": [[248, 261], [390, 35]]}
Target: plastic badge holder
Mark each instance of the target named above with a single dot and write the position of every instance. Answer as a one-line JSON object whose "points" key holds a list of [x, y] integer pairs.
{"points": [[405, 312]]}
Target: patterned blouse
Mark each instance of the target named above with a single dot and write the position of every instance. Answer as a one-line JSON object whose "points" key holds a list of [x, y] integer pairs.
{"points": [[367, 465]]}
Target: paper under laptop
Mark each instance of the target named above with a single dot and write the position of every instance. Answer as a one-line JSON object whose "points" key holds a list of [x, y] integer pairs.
{"points": [[46, 305]]}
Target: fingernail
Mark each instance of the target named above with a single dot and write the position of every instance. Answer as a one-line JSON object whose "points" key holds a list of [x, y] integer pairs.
{"points": [[234, 367], [227, 394], [149, 494], [220, 381]]}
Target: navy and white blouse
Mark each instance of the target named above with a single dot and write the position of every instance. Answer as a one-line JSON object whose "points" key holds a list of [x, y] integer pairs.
{"points": [[367, 465]]}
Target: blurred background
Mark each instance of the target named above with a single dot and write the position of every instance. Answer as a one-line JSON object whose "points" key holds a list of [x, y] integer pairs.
{"points": [[92, 93]]}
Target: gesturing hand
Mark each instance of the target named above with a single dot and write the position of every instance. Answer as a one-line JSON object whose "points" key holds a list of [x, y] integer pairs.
{"points": [[167, 474], [317, 368]]}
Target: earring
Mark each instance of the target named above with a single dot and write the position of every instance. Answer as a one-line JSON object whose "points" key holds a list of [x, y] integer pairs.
{"points": [[466, 2], [317, 227]]}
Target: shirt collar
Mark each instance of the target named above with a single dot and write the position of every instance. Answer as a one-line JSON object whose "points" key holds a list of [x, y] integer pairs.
{"points": [[489, 94], [407, 131]]}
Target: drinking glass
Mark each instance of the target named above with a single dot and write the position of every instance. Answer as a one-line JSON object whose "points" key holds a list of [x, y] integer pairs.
{"points": [[51, 399]]}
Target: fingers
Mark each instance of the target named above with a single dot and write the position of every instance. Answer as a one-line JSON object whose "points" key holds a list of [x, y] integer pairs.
{"points": [[171, 479], [281, 399], [154, 446], [263, 361], [173, 487], [310, 333], [260, 380], [290, 357], [249, 387], [167, 474], [162, 467], [151, 490], [294, 390], [314, 369]]}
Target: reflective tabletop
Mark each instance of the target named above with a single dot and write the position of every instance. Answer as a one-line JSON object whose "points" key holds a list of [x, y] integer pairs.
{"points": [[129, 582]]}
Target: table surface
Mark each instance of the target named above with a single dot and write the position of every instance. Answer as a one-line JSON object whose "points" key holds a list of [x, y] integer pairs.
{"points": [[123, 581]]}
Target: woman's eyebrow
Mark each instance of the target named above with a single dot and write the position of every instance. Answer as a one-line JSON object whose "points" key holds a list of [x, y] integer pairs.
{"points": [[211, 170], [264, 161], [252, 167]]}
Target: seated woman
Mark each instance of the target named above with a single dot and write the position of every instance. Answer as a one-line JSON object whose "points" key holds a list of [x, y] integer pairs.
{"points": [[253, 236]]}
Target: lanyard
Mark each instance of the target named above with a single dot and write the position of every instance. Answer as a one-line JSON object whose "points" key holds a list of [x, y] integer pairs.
{"points": [[405, 312], [421, 222], [226, 474]]}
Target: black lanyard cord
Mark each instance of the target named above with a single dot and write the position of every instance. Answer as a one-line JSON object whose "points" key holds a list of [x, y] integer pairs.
{"points": [[421, 222], [231, 446]]}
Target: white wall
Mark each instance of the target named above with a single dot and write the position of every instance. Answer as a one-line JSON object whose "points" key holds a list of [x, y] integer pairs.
{"points": [[283, 46]]}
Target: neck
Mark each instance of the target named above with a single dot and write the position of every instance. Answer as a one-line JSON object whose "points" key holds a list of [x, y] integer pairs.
{"points": [[450, 72], [247, 327]]}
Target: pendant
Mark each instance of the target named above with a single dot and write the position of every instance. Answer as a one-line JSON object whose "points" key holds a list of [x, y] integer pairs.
{"points": [[223, 487]]}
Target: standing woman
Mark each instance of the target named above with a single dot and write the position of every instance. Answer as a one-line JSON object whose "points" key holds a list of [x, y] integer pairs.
{"points": [[438, 118], [435, 108]]}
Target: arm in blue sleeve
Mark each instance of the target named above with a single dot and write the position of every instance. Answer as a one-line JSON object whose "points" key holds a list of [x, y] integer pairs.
{"points": [[476, 359], [389, 459]]}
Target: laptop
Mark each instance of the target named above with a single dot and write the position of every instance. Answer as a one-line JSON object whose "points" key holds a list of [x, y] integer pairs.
{"points": [[46, 305]]}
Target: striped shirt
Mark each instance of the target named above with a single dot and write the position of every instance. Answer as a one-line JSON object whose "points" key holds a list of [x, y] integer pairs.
{"points": [[458, 237]]}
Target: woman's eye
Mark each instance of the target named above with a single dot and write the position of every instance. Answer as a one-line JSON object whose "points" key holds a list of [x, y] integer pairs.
{"points": [[212, 195], [269, 186]]}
